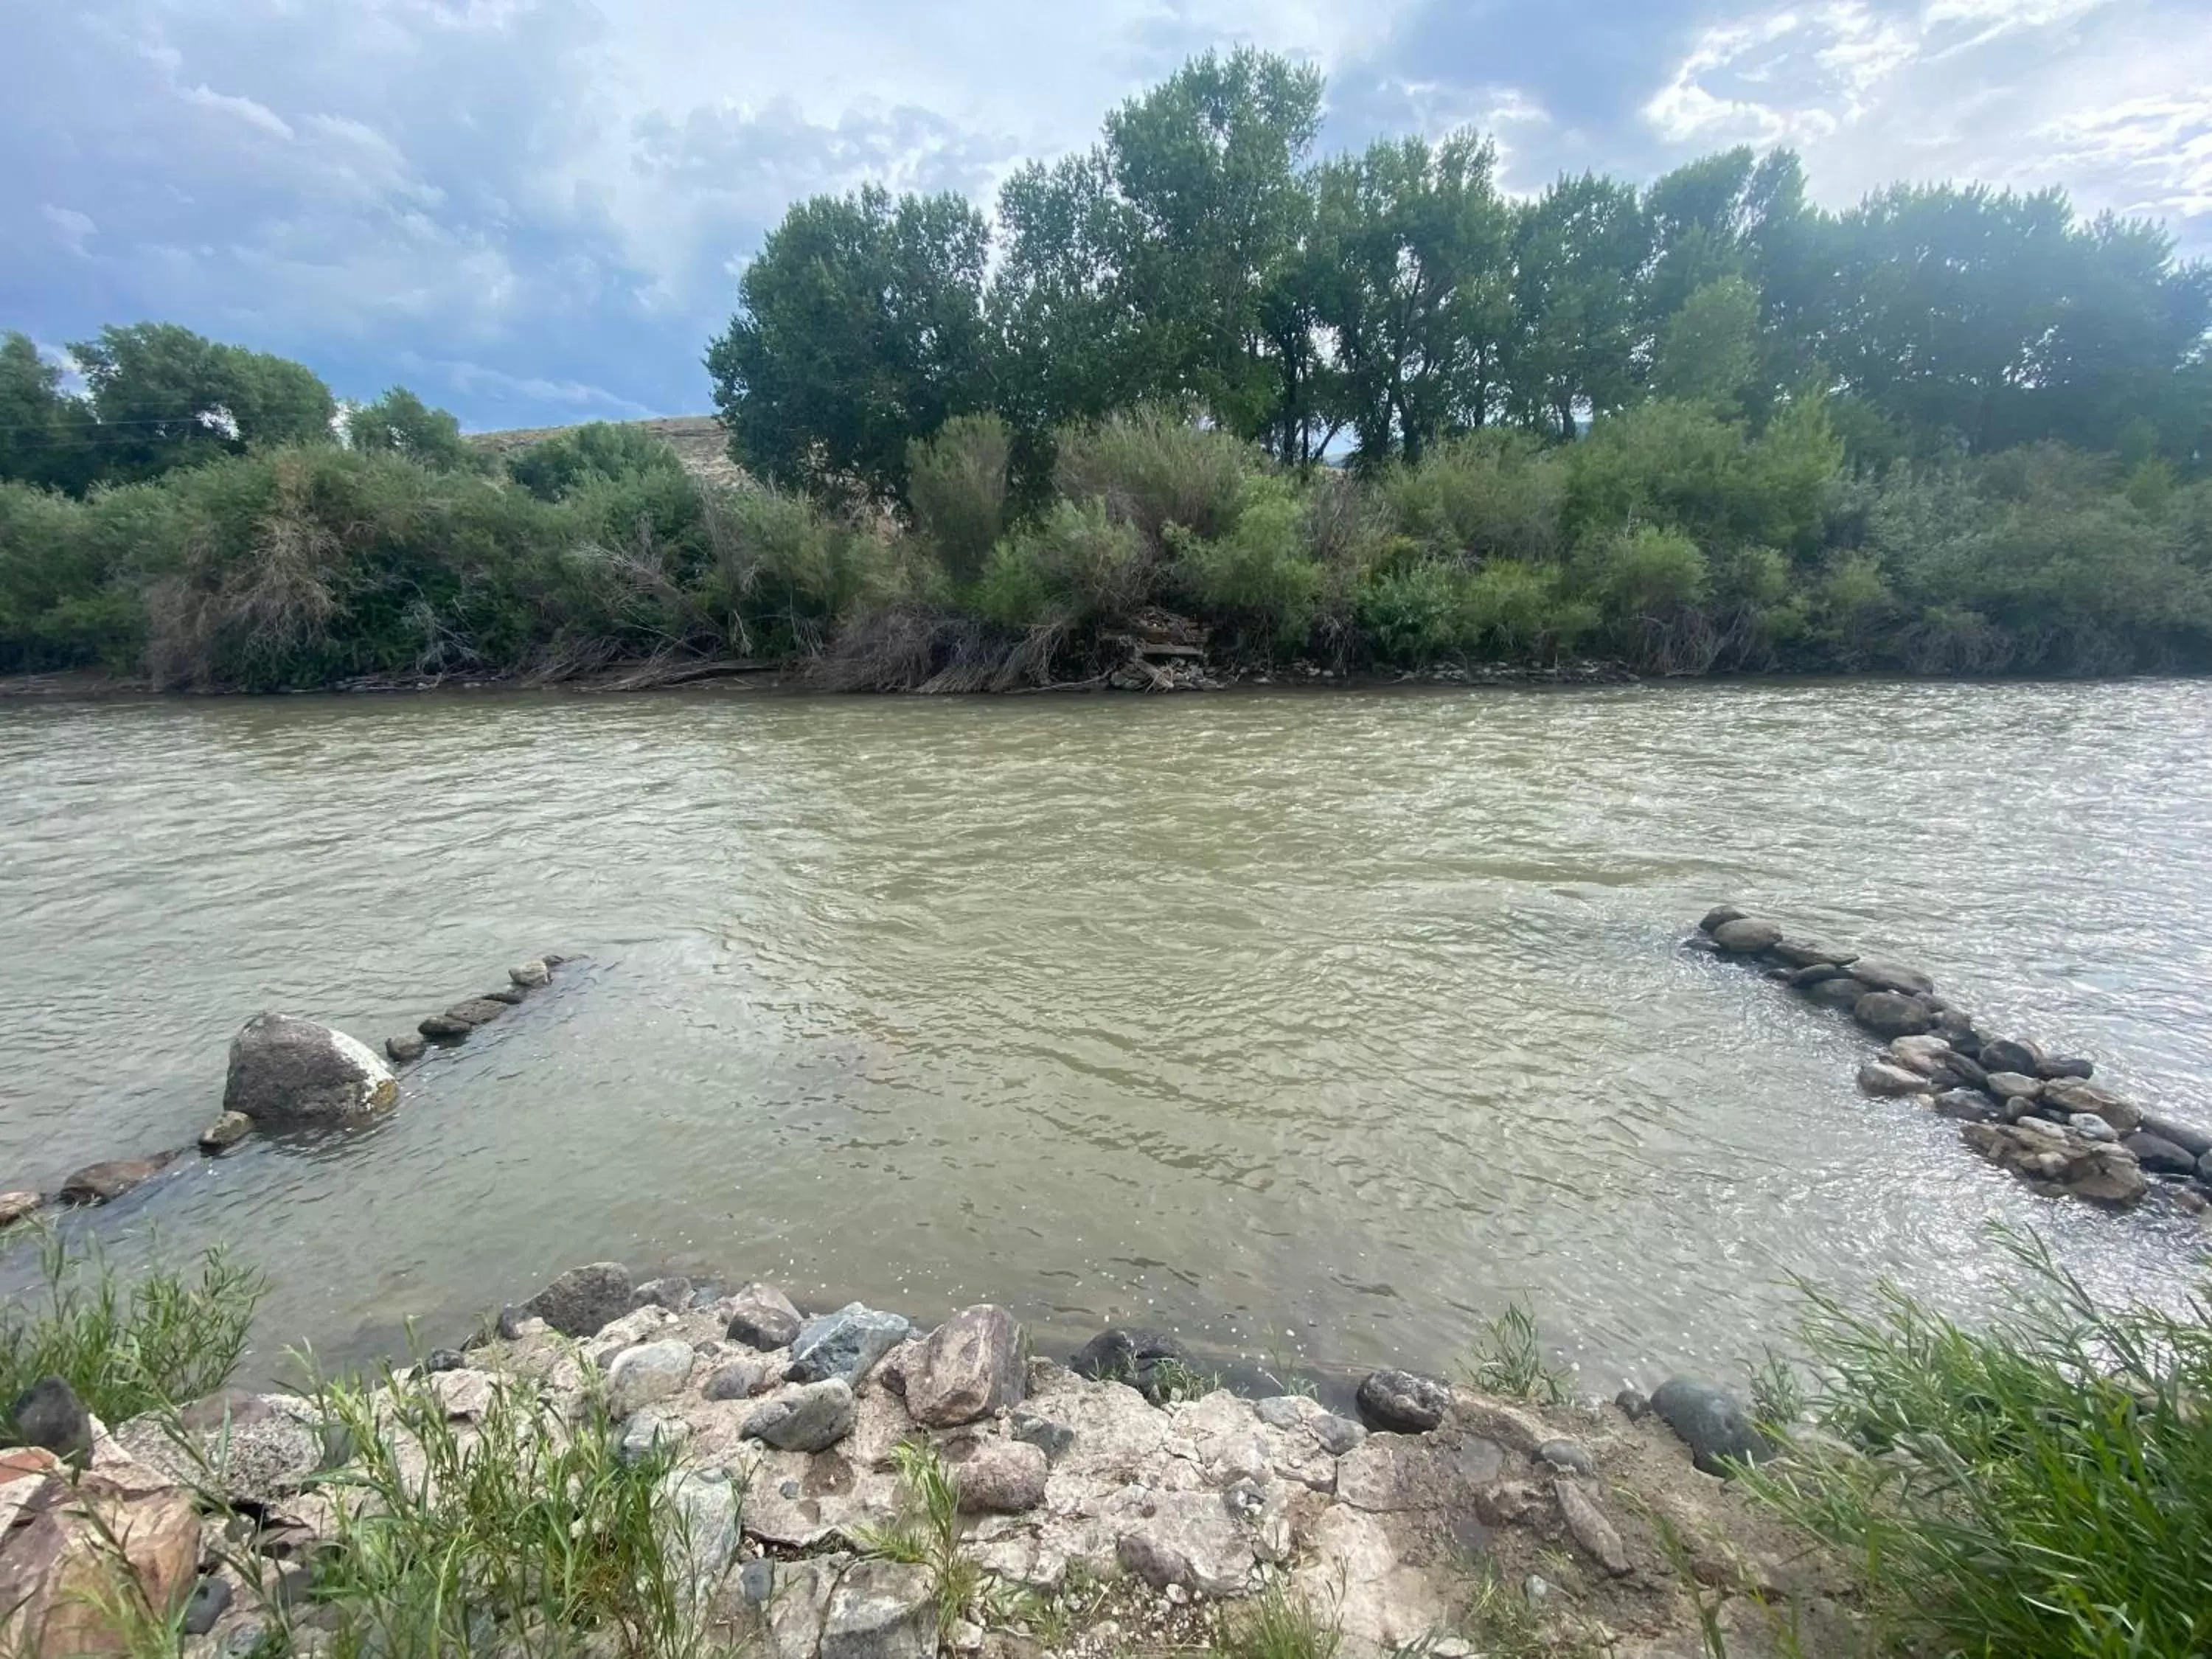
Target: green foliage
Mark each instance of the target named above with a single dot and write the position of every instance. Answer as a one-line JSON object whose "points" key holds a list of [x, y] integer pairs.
{"points": [[2034, 1489], [1152, 469], [1078, 564], [1708, 351], [1257, 578], [1509, 1359], [1275, 1624], [928, 1532], [1490, 493], [162, 397], [552, 468], [860, 329], [401, 424], [520, 1533], [956, 488], [126, 1347], [45, 437]]}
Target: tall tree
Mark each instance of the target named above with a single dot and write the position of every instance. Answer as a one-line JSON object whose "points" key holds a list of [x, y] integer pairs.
{"points": [[45, 436], [164, 397], [1420, 300], [1579, 250], [859, 328]]}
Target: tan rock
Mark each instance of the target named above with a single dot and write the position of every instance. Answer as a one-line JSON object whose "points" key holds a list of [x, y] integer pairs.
{"points": [[1587, 1523], [80, 1555], [1353, 1577]]}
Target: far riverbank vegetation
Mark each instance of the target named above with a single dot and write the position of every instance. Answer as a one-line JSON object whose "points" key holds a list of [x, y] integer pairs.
{"points": [[1370, 410]]}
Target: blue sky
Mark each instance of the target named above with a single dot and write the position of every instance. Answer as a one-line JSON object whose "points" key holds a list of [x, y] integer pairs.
{"points": [[532, 211]]}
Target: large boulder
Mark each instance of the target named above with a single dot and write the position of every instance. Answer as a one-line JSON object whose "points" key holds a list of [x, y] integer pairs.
{"points": [[89, 1567], [2070, 1096], [846, 1344], [649, 1372], [1892, 1013], [287, 1074], [1403, 1402], [102, 1183], [1712, 1422], [2192, 1139], [1747, 936], [583, 1301], [762, 1316], [970, 1367]]}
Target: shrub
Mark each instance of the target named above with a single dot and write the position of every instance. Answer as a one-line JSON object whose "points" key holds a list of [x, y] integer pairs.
{"points": [[1524, 611], [552, 468], [126, 1348], [1079, 566], [1413, 615], [1152, 469], [956, 488], [2035, 1489], [1486, 495], [1257, 579]]}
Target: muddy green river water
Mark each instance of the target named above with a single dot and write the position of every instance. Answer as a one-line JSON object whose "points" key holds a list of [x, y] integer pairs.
{"points": [[1313, 1025]]}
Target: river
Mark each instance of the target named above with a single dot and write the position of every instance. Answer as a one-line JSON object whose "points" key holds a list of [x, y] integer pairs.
{"points": [[1318, 1026]]}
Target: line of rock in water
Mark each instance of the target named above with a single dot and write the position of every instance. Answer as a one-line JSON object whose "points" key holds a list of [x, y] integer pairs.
{"points": [[1125, 1467], [286, 1074], [2038, 1115]]}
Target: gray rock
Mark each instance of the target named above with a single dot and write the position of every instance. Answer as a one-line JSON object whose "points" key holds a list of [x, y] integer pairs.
{"points": [[1589, 1528], [439, 1360], [738, 1379], [1812, 953], [1001, 1477], [1747, 936], [1843, 993], [2073, 1066], [2013, 1086], [476, 1011], [2160, 1156], [651, 1433], [2204, 1168], [2013, 1055], [2090, 1126], [49, 1414], [1191, 1538], [287, 1074], [762, 1316], [1151, 1362], [1816, 972], [970, 1367], [254, 1448], [443, 1028], [1719, 917], [2192, 1139], [2070, 1096], [1711, 1421], [102, 1183], [1050, 1437], [1967, 1105], [210, 1601], [1568, 1454], [1891, 1013], [756, 1581], [811, 1418], [583, 1300], [650, 1371], [701, 1532], [881, 1610], [509, 995], [1959, 1071], [406, 1048], [1879, 974], [1957, 1030], [1634, 1405], [1403, 1402], [1879, 1078], [846, 1344], [673, 1293], [1337, 1435], [17, 1206], [225, 1132], [530, 975]]}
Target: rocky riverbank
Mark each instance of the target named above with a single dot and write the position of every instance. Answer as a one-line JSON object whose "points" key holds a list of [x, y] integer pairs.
{"points": [[2038, 1115], [1118, 1502]]}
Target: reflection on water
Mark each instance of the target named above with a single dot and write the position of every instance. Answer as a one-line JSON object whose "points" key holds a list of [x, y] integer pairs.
{"points": [[1307, 1023]]}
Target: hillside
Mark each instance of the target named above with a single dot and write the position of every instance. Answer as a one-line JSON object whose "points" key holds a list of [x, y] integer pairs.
{"points": [[699, 442]]}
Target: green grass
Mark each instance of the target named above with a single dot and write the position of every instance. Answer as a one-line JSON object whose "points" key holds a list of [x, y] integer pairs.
{"points": [[1509, 1359], [928, 1532], [168, 1339], [2033, 1490], [519, 1534], [1275, 1625]]}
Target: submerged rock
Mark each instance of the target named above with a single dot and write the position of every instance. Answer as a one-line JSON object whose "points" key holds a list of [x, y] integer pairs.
{"points": [[1879, 1078], [1804, 953], [476, 1011], [14, 1206], [1892, 1013], [406, 1048], [1840, 991], [443, 1028], [2013, 1055], [1747, 936], [102, 1183], [2160, 1156], [2195, 1141], [225, 1132], [1879, 974], [530, 975], [1719, 917], [287, 1074], [1713, 1423], [2071, 1096]]}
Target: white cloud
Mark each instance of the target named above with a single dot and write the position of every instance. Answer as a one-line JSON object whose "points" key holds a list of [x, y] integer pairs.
{"points": [[71, 228], [236, 106], [2107, 97]]}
